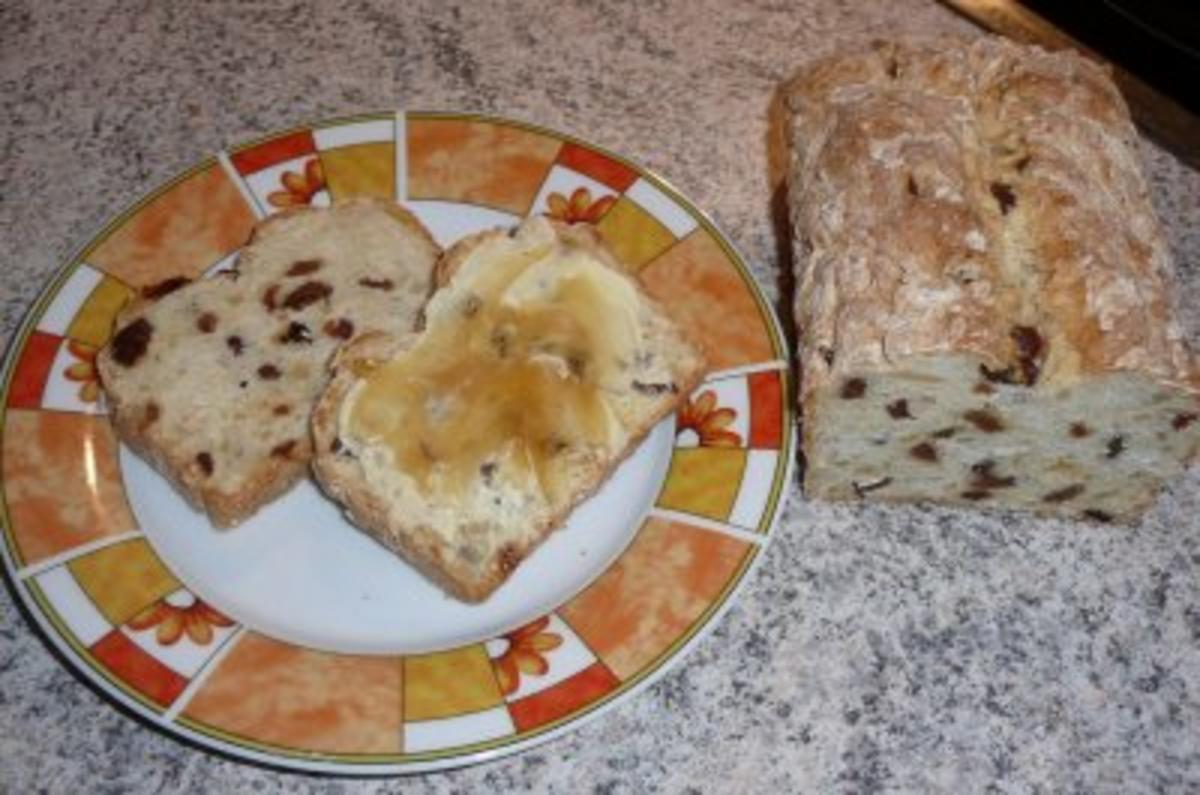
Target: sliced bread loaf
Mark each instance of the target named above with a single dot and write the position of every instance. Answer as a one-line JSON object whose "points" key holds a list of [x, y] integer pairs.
{"points": [[214, 381], [540, 366], [984, 300]]}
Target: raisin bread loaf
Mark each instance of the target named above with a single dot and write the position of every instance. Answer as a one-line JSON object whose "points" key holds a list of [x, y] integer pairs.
{"points": [[540, 367], [983, 301], [214, 381]]}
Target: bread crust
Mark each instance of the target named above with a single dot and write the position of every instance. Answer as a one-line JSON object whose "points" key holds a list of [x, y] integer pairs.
{"points": [[272, 476], [271, 480], [911, 164], [342, 478]]}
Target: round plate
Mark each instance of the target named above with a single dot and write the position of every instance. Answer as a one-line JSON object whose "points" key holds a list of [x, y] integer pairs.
{"points": [[294, 640]]}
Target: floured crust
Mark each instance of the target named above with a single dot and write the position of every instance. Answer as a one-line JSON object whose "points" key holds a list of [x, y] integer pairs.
{"points": [[983, 302], [342, 475], [190, 394], [913, 141]]}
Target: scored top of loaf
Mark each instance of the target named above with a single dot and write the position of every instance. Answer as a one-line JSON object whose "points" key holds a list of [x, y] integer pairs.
{"points": [[966, 190]]}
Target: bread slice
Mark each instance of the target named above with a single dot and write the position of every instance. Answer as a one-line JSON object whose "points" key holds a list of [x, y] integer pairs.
{"points": [[984, 297], [540, 367], [214, 381]]}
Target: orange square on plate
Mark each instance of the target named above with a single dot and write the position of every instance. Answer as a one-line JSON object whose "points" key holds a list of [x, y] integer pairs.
{"points": [[62, 482], [653, 594], [180, 232], [704, 292], [477, 162], [272, 692]]}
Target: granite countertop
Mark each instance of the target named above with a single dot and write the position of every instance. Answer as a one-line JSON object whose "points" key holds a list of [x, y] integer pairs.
{"points": [[913, 649]]}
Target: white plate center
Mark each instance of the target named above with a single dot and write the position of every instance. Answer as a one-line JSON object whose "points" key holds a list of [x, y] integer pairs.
{"points": [[299, 572]]}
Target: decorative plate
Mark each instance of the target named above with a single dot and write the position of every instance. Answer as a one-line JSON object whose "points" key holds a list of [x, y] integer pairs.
{"points": [[294, 640]]}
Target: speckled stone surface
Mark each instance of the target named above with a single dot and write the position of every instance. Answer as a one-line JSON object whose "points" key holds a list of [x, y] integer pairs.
{"points": [[911, 649]]}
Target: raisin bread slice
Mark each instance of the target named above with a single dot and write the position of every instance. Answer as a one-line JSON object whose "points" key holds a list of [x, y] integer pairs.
{"points": [[214, 381], [540, 367], [983, 295]]}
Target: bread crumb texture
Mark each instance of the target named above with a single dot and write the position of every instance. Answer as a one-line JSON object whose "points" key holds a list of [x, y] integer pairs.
{"points": [[214, 379]]}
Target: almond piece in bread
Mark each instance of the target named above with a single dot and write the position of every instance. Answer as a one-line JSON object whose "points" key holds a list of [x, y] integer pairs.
{"points": [[214, 381], [540, 367]]}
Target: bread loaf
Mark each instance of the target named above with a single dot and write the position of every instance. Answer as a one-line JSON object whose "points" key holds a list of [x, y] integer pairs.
{"points": [[214, 381], [983, 295], [540, 367]]}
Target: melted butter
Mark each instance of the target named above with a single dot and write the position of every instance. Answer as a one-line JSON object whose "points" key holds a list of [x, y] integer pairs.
{"points": [[521, 377], [593, 313]]}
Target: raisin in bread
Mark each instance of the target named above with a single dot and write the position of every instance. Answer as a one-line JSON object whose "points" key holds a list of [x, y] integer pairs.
{"points": [[983, 299], [214, 381], [540, 366]]}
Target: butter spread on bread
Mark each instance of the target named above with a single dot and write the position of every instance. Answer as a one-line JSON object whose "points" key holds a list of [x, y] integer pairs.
{"points": [[540, 366]]}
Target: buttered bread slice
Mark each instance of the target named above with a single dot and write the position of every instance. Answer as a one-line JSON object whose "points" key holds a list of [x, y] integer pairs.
{"points": [[214, 381], [541, 365]]}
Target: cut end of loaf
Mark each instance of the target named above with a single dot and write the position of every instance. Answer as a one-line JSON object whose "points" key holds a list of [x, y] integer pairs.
{"points": [[941, 429]]}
